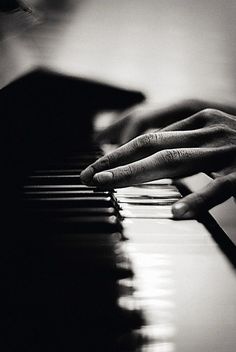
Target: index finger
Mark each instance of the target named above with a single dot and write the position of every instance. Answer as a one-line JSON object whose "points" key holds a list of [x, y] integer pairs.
{"points": [[145, 146], [164, 164]]}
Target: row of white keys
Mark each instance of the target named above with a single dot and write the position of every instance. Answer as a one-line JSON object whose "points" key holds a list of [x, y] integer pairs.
{"points": [[183, 282], [148, 200]]}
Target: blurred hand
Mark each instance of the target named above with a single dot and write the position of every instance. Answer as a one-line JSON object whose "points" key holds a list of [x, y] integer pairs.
{"points": [[138, 121], [203, 142]]}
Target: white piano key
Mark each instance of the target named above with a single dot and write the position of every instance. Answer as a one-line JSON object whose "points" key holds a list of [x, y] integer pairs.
{"points": [[148, 201], [163, 181], [162, 192], [176, 228], [160, 347], [147, 212], [151, 293], [159, 332]]}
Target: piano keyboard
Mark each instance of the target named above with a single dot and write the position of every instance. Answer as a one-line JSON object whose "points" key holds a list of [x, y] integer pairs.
{"points": [[101, 270]]}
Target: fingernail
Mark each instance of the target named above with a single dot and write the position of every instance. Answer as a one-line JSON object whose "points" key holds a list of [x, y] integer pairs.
{"points": [[179, 209], [182, 211], [86, 175], [103, 178]]}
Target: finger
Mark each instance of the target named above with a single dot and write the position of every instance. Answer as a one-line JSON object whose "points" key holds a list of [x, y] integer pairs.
{"points": [[216, 192], [204, 118], [167, 163], [149, 144], [169, 118]]}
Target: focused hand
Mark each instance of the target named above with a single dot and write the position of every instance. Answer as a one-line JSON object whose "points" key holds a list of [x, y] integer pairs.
{"points": [[205, 141]]}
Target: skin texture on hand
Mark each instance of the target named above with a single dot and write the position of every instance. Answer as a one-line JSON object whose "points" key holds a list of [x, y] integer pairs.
{"points": [[202, 142]]}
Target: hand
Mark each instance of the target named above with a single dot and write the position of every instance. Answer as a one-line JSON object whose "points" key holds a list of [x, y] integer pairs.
{"points": [[205, 141], [138, 121]]}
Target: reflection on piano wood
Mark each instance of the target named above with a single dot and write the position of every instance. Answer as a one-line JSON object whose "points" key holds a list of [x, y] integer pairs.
{"points": [[105, 271]]}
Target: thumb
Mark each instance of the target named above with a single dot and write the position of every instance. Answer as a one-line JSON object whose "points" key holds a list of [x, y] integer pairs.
{"points": [[216, 192]]}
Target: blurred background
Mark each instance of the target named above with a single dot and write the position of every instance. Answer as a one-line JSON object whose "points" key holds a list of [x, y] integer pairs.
{"points": [[170, 49]]}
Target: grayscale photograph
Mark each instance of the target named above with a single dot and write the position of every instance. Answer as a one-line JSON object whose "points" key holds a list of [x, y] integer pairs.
{"points": [[118, 133]]}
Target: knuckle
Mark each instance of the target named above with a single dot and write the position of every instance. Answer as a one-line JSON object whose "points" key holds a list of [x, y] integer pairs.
{"points": [[220, 130], [171, 156], [210, 113], [146, 140], [103, 163], [124, 173], [136, 143], [220, 135]]}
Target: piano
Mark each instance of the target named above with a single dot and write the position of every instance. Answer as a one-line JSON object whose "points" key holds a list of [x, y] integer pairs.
{"points": [[90, 269]]}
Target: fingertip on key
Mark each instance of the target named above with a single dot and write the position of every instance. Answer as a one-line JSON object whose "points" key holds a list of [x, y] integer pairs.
{"points": [[181, 210], [86, 175], [103, 178]]}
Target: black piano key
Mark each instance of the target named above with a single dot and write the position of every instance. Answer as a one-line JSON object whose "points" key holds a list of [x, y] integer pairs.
{"points": [[43, 172], [75, 161], [59, 187], [89, 158], [66, 194], [53, 179], [76, 224], [49, 212], [90, 240], [70, 164], [84, 202]]}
